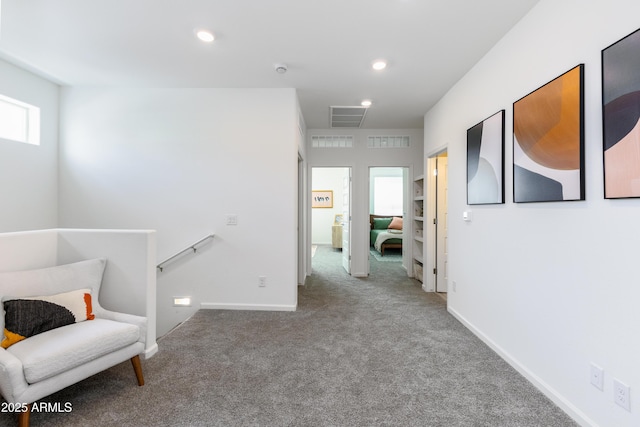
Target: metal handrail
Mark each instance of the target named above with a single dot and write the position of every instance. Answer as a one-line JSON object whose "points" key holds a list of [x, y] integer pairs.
{"points": [[177, 254]]}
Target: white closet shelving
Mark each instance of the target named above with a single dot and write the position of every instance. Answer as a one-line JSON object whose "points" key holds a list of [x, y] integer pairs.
{"points": [[418, 227]]}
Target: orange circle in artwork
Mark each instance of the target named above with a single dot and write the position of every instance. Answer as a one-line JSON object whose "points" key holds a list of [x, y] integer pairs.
{"points": [[547, 123]]}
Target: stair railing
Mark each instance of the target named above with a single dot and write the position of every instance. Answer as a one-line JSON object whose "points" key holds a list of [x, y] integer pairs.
{"points": [[193, 247]]}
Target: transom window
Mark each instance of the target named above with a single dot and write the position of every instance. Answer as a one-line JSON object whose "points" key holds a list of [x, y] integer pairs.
{"points": [[388, 141], [332, 141]]}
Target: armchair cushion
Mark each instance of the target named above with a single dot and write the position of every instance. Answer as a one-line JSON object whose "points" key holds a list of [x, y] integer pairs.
{"points": [[29, 316], [47, 354]]}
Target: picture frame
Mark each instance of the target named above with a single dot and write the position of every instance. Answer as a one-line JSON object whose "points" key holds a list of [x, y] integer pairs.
{"points": [[485, 161], [548, 141], [621, 117], [322, 198]]}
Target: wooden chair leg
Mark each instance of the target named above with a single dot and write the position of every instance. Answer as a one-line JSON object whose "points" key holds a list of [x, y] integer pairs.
{"points": [[23, 417], [137, 367]]}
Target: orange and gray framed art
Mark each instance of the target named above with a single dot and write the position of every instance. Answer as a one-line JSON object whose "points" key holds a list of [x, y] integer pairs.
{"points": [[548, 141], [621, 117]]}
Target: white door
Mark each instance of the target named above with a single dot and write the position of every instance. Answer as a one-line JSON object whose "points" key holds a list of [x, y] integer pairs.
{"points": [[346, 218], [442, 249]]}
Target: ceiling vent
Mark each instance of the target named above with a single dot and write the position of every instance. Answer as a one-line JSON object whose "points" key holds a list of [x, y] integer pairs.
{"points": [[347, 117]]}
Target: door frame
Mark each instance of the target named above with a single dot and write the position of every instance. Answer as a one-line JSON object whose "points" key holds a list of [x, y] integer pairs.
{"points": [[347, 207], [430, 238], [301, 272], [407, 216], [310, 169]]}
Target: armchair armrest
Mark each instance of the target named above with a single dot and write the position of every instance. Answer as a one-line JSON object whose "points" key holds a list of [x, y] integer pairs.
{"points": [[139, 321], [12, 382]]}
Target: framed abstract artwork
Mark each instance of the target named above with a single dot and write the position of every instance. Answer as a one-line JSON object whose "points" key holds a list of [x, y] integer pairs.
{"points": [[322, 198], [548, 141], [485, 161], [621, 117]]}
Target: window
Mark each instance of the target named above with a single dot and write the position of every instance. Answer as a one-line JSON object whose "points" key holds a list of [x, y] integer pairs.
{"points": [[19, 121], [387, 195], [331, 141], [388, 142]]}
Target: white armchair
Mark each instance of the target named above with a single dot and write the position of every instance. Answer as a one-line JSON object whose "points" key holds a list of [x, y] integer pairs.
{"points": [[46, 362]]}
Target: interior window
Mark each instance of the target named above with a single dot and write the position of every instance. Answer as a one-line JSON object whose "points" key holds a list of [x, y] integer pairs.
{"points": [[19, 121]]}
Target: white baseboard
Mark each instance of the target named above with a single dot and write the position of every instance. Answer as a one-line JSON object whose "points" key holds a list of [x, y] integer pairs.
{"points": [[149, 352], [253, 307], [426, 288], [545, 388]]}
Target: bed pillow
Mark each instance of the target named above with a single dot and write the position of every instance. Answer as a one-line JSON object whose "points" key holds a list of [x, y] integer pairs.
{"points": [[396, 223], [29, 316], [381, 223]]}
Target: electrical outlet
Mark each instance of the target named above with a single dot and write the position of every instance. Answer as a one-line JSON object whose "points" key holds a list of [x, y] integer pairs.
{"points": [[231, 219], [621, 394], [597, 376], [262, 281]]}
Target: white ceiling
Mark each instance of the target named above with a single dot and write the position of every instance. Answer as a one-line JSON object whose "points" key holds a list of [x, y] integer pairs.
{"points": [[328, 45]]}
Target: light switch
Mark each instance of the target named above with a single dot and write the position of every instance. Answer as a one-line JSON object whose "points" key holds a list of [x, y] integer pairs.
{"points": [[467, 215], [231, 219]]}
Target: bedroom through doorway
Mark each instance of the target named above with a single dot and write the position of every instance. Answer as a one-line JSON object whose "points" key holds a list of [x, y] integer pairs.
{"points": [[330, 213], [388, 204]]}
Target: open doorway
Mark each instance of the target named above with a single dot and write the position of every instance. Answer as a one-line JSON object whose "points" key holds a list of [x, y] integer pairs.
{"points": [[437, 261], [388, 204], [331, 212]]}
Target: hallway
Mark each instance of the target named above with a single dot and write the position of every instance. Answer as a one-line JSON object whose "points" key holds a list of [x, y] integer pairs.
{"points": [[409, 355]]}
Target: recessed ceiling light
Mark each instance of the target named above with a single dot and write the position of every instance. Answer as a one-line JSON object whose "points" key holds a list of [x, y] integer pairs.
{"points": [[366, 103], [205, 36], [380, 64]]}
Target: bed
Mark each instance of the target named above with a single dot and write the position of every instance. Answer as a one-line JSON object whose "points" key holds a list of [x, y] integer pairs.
{"points": [[386, 232]]}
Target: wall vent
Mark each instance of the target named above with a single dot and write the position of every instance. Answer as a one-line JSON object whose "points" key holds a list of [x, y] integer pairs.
{"points": [[346, 117], [388, 141], [331, 141]]}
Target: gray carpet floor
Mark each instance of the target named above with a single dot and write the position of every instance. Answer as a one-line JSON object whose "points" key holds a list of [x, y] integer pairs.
{"points": [[357, 352], [390, 255]]}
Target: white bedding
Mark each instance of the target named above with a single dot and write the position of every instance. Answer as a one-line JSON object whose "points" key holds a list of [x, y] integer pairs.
{"points": [[384, 236]]}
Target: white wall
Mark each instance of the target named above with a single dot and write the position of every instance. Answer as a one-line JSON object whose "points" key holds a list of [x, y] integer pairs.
{"points": [[29, 173], [360, 159], [322, 218], [178, 161], [551, 286]]}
